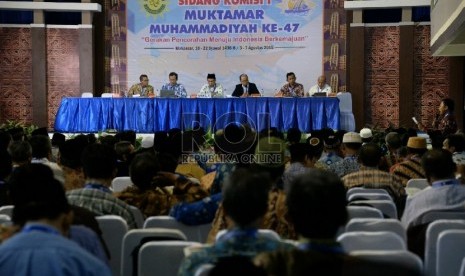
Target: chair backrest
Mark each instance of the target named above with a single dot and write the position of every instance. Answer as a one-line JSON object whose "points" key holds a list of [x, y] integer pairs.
{"points": [[368, 196], [387, 207], [376, 224], [87, 95], [345, 101], [266, 233], [162, 257], [401, 257], [363, 212], [7, 210], [107, 95], [361, 240], [133, 239], [5, 219], [346, 116], [138, 216], [432, 234], [196, 233], [204, 270], [419, 183], [437, 215], [113, 230], [119, 184], [359, 190], [450, 252], [461, 273]]}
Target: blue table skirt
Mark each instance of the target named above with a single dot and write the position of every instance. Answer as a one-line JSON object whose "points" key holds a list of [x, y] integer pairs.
{"points": [[147, 115]]}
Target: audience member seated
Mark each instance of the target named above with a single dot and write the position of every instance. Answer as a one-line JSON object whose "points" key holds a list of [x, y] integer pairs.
{"points": [[42, 152], [57, 140], [302, 159], [269, 159], [99, 165], [445, 194], [369, 176], [351, 143], [291, 88], [367, 135], [124, 154], [411, 168], [391, 156], [455, 143], [155, 192], [20, 153], [317, 206], [331, 150], [245, 200], [44, 215], [69, 159]]}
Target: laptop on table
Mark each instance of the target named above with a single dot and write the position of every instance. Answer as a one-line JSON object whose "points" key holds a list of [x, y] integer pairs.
{"points": [[167, 93]]}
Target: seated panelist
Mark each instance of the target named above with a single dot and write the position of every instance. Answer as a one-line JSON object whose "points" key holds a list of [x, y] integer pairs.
{"points": [[291, 88], [321, 87], [179, 89], [245, 88], [211, 89], [142, 89]]}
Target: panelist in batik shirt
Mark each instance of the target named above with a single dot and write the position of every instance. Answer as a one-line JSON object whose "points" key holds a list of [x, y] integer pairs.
{"points": [[212, 89], [291, 88], [179, 89]]}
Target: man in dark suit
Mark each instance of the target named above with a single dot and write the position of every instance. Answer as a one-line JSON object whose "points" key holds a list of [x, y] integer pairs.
{"points": [[245, 88]]}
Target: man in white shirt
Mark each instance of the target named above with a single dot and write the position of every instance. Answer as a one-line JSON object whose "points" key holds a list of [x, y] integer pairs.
{"points": [[322, 86], [211, 89]]}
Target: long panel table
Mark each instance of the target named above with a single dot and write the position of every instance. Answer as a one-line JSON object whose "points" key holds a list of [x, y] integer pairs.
{"points": [[147, 115]]}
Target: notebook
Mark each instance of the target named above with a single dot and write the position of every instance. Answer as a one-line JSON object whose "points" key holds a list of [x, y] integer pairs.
{"points": [[319, 94], [166, 93]]}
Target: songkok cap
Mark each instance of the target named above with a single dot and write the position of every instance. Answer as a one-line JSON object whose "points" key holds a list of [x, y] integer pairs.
{"points": [[351, 137], [331, 142], [211, 76], [270, 152], [416, 143], [366, 133], [147, 142]]}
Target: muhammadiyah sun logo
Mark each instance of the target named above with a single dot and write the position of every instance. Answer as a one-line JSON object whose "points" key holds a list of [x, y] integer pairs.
{"points": [[155, 7]]}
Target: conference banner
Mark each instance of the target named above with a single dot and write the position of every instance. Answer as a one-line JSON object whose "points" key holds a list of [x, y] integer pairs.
{"points": [[262, 38]]}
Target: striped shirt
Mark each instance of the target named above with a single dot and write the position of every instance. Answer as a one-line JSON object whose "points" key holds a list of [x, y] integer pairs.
{"points": [[375, 179], [102, 203], [409, 169]]}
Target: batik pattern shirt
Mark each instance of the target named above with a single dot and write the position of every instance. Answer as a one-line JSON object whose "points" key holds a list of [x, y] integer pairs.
{"points": [[179, 89]]}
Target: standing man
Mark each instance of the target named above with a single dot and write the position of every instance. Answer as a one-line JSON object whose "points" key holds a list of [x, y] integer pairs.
{"points": [[179, 89], [245, 88], [291, 88], [322, 86], [143, 89], [211, 89]]}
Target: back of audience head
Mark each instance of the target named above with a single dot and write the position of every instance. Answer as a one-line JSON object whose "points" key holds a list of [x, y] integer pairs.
{"points": [[269, 157], [123, 150], [99, 161], [58, 139], [108, 140], [245, 197], [144, 167], [71, 152], [41, 146], [168, 162], [301, 152], [416, 145], [20, 152], [352, 140], [17, 133], [160, 139], [392, 140], [366, 134], [317, 204], [370, 155], [293, 135], [127, 135], [5, 140], [235, 140], [37, 195], [331, 143], [438, 164], [316, 146]]}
